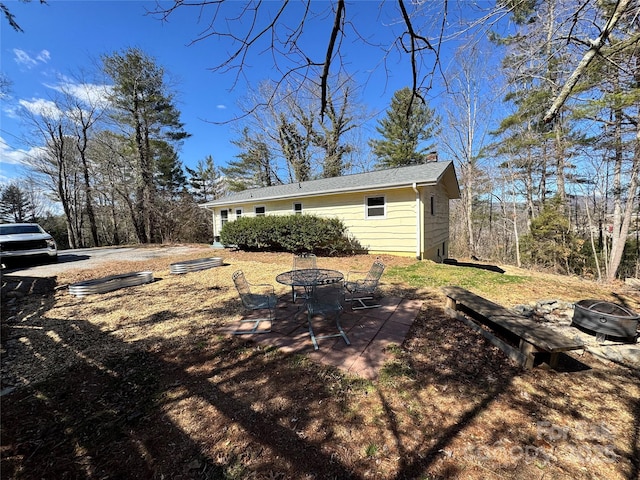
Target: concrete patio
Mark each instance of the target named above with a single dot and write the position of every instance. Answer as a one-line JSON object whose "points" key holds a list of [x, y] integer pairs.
{"points": [[370, 331]]}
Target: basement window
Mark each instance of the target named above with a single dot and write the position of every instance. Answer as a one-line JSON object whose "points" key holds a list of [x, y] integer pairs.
{"points": [[376, 207]]}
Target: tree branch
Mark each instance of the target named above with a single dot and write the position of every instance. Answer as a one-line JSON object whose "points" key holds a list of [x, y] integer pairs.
{"points": [[596, 45], [324, 78], [414, 48]]}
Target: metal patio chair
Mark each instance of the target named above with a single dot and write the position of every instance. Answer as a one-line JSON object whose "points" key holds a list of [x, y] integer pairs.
{"points": [[360, 288], [255, 301], [304, 261], [326, 302]]}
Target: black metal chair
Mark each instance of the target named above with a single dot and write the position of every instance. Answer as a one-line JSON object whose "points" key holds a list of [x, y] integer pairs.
{"points": [[304, 261], [325, 302], [360, 286], [255, 301]]}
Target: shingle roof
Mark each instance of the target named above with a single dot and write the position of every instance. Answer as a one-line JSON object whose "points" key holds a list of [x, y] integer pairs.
{"points": [[423, 174]]}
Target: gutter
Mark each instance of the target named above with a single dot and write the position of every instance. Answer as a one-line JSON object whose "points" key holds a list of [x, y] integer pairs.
{"points": [[418, 223]]}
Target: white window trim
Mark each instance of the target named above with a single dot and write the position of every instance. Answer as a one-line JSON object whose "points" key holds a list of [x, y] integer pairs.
{"points": [[293, 207], [235, 212], [223, 219], [366, 208], [255, 213]]}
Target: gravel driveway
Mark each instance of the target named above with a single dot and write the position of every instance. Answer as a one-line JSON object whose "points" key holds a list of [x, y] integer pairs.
{"points": [[91, 257]]}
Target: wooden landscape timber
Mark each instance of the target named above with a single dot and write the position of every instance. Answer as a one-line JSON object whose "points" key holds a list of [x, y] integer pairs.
{"points": [[504, 328]]}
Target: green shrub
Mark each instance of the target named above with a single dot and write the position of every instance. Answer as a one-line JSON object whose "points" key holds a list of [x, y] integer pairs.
{"points": [[551, 242], [290, 233]]}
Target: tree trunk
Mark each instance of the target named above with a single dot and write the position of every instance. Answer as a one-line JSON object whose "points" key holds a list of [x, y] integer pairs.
{"points": [[593, 243], [622, 219], [88, 191], [516, 235]]}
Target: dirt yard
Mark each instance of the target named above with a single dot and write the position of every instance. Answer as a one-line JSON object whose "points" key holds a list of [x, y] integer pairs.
{"points": [[140, 383]]}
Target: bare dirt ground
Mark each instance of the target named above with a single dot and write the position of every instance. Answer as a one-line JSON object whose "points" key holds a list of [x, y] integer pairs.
{"points": [[139, 383]]}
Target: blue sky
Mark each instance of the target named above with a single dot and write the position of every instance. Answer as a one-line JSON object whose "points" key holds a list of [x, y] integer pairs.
{"points": [[64, 38]]}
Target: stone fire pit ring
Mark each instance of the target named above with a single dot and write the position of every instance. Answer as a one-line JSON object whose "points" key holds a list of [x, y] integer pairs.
{"points": [[110, 283], [195, 265]]}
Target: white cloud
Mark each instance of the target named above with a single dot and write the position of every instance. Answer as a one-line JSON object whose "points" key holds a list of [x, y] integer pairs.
{"points": [[23, 58], [42, 107], [88, 93], [11, 111], [16, 156], [95, 96], [44, 56], [221, 107], [26, 60]]}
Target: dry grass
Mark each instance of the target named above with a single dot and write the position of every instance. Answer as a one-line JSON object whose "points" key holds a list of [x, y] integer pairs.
{"points": [[139, 383]]}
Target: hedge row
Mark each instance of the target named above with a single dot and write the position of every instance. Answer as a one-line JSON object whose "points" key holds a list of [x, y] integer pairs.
{"points": [[290, 233]]}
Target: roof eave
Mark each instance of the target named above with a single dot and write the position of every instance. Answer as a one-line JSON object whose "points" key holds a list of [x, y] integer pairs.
{"points": [[316, 194], [447, 177]]}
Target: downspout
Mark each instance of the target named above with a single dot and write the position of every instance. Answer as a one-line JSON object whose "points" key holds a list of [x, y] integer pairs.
{"points": [[213, 223], [418, 223]]}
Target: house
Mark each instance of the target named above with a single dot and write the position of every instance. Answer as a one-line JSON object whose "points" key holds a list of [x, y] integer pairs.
{"points": [[400, 211]]}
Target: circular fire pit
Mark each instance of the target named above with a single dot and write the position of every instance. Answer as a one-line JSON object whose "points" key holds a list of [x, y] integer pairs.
{"points": [[195, 265], [108, 284], [606, 318]]}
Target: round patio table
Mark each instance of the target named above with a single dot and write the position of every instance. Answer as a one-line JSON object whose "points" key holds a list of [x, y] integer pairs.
{"points": [[309, 278]]}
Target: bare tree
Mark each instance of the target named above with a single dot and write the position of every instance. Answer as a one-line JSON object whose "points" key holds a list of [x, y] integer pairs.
{"points": [[467, 116], [330, 135], [57, 162], [84, 105], [252, 26], [114, 177], [302, 145]]}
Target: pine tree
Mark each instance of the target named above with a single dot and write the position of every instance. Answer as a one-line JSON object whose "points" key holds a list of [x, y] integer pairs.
{"points": [[205, 180], [15, 205], [253, 167], [407, 125], [142, 102]]}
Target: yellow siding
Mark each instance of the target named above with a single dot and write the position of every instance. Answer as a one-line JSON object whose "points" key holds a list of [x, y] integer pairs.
{"points": [[436, 234], [395, 233]]}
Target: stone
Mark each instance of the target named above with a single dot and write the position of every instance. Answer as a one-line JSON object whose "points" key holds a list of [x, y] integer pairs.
{"points": [[558, 315]]}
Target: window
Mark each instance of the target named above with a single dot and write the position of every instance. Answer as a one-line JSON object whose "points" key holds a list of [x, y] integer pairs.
{"points": [[259, 211], [224, 217], [433, 207], [376, 207], [297, 208], [238, 212]]}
